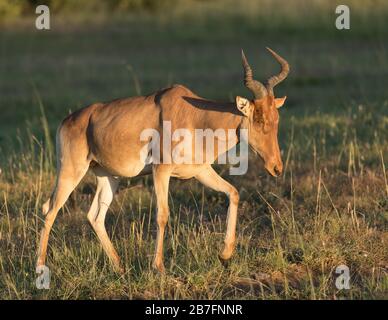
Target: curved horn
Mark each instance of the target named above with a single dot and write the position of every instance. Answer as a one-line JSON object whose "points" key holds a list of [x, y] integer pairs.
{"points": [[274, 80], [257, 88]]}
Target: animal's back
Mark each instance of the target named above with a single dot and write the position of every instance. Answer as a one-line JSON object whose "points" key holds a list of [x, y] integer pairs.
{"points": [[109, 133]]}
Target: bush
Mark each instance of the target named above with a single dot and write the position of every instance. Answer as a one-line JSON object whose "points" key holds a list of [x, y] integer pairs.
{"points": [[15, 8], [11, 9]]}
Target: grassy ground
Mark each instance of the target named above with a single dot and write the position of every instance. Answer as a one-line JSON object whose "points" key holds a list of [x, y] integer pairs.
{"points": [[329, 208]]}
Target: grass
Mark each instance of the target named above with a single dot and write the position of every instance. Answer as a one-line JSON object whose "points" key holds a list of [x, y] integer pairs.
{"points": [[329, 208]]}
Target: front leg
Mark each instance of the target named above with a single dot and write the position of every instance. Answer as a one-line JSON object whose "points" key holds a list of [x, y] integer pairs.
{"points": [[211, 179], [161, 176]]}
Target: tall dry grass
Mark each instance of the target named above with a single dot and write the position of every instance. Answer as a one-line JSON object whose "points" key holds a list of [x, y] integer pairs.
{"points": [[329, 208]]}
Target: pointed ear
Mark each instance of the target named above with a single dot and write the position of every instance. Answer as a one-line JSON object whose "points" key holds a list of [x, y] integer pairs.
{"points": [[279, 102], [244, 106]]}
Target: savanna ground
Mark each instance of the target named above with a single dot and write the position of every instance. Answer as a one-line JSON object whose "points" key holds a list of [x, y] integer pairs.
{"points": [[330, 207]]}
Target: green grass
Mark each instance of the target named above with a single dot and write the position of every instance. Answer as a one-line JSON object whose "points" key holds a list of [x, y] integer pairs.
{"points": [[329, 208]]}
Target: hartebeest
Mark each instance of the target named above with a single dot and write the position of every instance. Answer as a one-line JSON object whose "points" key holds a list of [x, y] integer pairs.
{"points": [[105, 137]]}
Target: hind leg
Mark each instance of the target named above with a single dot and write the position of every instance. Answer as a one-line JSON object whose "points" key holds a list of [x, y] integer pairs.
{"points": [[106, 188], [68, 179]]}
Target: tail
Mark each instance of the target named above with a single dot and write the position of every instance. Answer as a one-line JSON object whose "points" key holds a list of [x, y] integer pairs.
{"points": [[46, 206]]}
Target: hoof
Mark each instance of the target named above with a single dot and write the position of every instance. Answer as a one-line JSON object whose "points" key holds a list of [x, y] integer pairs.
{"points": [[117, 266], [40, 263], [159, 267], [224, 262], [119, 269]]}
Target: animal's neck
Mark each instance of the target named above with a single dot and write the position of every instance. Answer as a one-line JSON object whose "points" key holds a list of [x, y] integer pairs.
{"points": [[215, 114], [227, 118]]}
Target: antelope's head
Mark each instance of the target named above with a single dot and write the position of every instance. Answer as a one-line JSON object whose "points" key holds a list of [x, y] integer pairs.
{"points": [[262, 116]]}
